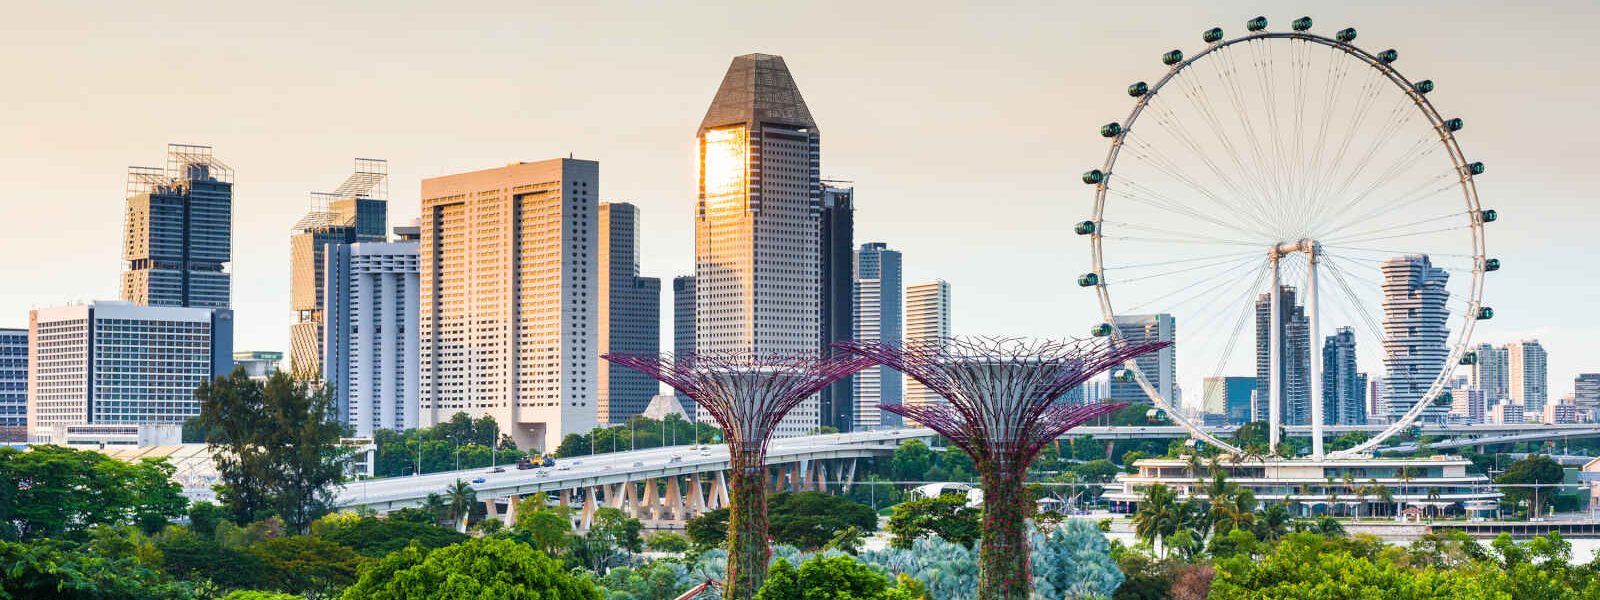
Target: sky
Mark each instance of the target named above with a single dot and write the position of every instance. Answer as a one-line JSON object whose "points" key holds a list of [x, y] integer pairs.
{"points": [[963, 125]]}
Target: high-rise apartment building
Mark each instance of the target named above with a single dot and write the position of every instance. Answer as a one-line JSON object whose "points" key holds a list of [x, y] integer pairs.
{"points": [[372, 353], [1490, 373], [879, 318], [509, 285], [1586, 392], [630, 316], [927, 320], [356, 211], [13, 385], [1528, 375], [121, 363], [683, 330], [757, 222], [178, 232], [837, 268], [1344, 389], [1415, 332], [1294, 337], [1468, 406], [1229, 397], [1160, 368]]}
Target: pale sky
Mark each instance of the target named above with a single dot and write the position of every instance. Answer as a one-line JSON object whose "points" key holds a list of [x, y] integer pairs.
{"points": [[963, 126]]}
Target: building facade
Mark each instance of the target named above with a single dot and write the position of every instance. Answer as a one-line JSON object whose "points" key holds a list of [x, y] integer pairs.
{"points": [[683, 330], [178, 231], [1469, 406], [1294, 337], [357, 211], [1490, 372], [1415, 333], [927, 321], [509, 278], [630, 316], [837, 270], [1230, 398], [1528, 375], [117, 363], [1344, 389], [258, 364], [372, 353], [757, 222], [1160, 368], [1586, 393], [13, 385], [879, 318]]}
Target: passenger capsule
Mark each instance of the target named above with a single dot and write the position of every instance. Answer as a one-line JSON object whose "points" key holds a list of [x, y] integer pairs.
{"points": [[1442, 399], [1110, 130], [1302, 24], [1388, 56], [1413, 431], [1470, 358], [1101, 330], [1212, 35], [1256, 24], [1172, 57], [1454, 124], [1492, 264], [1346, 35], [1085, 228], [1485, 313], [1155, 415], [1488, 215], [1138, 89], [1093, 177], [1475, 168], [1423, 87], [1089, 280], [1122, 375]]}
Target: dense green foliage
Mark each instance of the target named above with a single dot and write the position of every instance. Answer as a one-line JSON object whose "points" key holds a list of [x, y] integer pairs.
{"points": [[1537, 469], [488, 568], [275, 448], [375, 538], [808, 520], [461, 442], [639, 433], [832, 578], [57, 492], [945, 515]]}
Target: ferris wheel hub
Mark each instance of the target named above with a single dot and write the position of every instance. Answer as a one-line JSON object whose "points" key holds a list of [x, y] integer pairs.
{"points": [[1308, 246]]}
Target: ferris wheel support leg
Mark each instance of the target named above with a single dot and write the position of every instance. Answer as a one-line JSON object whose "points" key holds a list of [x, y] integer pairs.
{"points": [[1315, 341], [1274, 360]]}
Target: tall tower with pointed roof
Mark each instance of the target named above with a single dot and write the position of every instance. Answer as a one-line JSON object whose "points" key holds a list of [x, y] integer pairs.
{"points": [[758, 244]]}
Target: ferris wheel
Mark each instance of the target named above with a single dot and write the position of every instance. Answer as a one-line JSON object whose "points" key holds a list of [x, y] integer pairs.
{"points": [[1273, 189]]}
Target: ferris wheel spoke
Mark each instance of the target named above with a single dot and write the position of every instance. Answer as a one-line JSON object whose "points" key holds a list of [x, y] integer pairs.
{"points": [[1185, 269], [1377, 238], [1236, 94], [1373, 90], [1194, 91], [1407, 227], [1423, 148], [1190, 236], [1173, 126], [1247, 309], [1181, 260], [1401, 202], [1220, 281], [1137, 192]]}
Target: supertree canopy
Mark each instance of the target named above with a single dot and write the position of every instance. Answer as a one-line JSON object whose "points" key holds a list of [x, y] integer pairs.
{"points": [[1001, 409], [747, 394]]}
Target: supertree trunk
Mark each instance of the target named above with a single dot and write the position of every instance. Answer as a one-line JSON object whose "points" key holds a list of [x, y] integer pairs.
{"points": [[747, 528], [1003, 554]]}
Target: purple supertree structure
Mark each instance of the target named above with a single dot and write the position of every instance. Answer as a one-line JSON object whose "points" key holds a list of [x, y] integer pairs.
{"points": [[747, 394], [1001, 410]]}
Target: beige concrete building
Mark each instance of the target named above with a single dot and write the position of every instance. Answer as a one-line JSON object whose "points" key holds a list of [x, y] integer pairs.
{"points": [[510, 279], [927, 318]]}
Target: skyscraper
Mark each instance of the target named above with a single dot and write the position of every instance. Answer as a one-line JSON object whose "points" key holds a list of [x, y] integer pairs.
{"points": [[837, 401], [1294, 369], [1160, 368], [927, 319], [757, 231], [1490, 373], [1528, 375], [121, 363], [1344, 390], [13, 385], [630, 316], [357, 211], [879, 317], [1586, 392], [373, 353], [178, 234], [1230, 397], [509, 277], [683, 330], [1414, 332]]}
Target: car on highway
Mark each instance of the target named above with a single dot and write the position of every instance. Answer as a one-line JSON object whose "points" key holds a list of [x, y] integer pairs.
{"points": [[478, 480], [638, 463], [566, 466], [497, 470], [705, 452], [676, 458]]}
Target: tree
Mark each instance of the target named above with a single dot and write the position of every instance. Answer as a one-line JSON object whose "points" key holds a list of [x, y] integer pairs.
{"points": [[1306, 565], [307, 565], [611, 536], [945, 515], [462, 500], [546, 527], [709, 529], [1159, 516], [185, 555], [482, 568], [809, 519], [1073, 561], [375, 538], [58, 492], [50, 569], [828, 578], [275, 447], [1533, 470], [911, 461], [1273, 523], [668, 542]]}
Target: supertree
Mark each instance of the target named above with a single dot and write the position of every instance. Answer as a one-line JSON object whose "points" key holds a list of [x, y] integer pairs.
{"points": [[1001, 410], [747, 394]]}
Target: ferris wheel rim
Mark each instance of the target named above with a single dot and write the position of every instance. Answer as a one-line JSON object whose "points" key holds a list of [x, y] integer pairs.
{"points": [[1466, 181]]}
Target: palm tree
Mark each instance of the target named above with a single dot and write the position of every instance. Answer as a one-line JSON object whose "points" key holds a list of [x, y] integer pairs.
{"points": [[462, 499], [1256, 452], [1433, 498], [1406, 475], [1158, 516], [1333, 496], [1235, 510], [434, 504], [1384, 494], [1350, 488], [1362, 491], [1274, 522]]}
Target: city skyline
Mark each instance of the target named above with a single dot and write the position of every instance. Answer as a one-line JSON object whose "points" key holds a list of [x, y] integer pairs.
{"points": [[652, 167]]}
